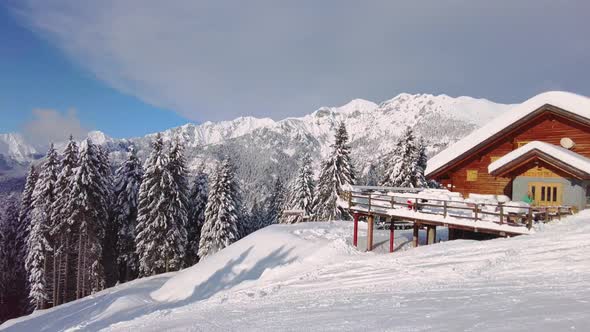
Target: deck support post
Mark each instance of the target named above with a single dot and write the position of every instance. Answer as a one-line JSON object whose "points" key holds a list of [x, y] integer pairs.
{"points": [[355, 235], [370, 222], [416, 233], [391, 236], [431, 234]]}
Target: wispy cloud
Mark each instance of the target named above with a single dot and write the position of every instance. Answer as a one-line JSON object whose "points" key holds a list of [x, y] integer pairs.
{"points": [[212, 60], [50, 126]]}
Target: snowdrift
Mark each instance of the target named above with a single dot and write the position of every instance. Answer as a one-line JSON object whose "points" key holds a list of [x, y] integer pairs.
{"points": [[269, 254], [308, 277]]}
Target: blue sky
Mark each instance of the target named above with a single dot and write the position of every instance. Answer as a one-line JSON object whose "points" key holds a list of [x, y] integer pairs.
{"points": [[137, 66], [34, 74]]}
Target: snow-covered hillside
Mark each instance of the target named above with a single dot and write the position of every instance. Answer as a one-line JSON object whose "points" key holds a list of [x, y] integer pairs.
{"points": [[265, 149], [308, 277]]}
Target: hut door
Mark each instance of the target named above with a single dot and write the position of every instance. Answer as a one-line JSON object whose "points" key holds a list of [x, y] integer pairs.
{"points": [[546, 194]]}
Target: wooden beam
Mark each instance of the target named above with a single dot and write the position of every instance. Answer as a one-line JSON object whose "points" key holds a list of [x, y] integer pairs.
{"points": [[416, 239], [370, 222], [431, 234], [355, 235]]}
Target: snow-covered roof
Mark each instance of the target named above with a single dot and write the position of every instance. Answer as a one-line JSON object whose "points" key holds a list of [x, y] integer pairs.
{"points": [[576, 104], [566, 156]]}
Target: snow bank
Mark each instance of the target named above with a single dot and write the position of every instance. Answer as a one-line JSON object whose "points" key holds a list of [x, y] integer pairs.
{"points": [[570, 102], [306, 277], [266, 255]]}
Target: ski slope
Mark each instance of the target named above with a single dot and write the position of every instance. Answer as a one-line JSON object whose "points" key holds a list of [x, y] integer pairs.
{"points": [[309, 277]]}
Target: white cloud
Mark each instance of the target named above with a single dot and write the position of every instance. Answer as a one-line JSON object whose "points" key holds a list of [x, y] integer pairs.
{"points": [[50, 126], [211, 60]]}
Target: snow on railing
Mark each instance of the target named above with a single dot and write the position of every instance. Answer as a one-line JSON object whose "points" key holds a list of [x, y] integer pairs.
{"points": [[383, 201]]}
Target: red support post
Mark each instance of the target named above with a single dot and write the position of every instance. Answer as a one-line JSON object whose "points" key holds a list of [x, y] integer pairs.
{"points": [[355, 236], [391, 236]]}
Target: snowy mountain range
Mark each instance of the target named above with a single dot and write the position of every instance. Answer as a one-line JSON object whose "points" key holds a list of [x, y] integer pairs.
{"points": [[264, 146]]}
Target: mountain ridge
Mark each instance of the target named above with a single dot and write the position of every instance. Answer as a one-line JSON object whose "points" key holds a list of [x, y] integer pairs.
{"points": [[266, 149]]}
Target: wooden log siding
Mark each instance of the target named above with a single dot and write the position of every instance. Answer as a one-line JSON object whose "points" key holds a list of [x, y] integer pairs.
{"points": [[547, 126]]}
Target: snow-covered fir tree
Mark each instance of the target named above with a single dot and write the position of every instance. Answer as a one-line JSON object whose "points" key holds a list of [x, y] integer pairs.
{"points": [[109, 240], [179, 208], [27, 204], [157, 241], [37, 262], [222, 211], [275, 203], [87, 212], [61, 233], [255, 217], [372, 177], [126, 191], [24, 225], [301, 191], [196, 217], [337, 171], [12, 274], [406, 164]]}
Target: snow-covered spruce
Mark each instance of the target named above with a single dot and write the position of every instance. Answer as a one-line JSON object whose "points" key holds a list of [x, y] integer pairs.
{"points": [[196, 217], [275, 203], [301, 190], [222, 212], [405, 165], [255, 217], [27, 204], [39, 249], [12, 274], [337, 171], [60, 234], [87, 214], [179, 208], [159, 237], [126, 190]]}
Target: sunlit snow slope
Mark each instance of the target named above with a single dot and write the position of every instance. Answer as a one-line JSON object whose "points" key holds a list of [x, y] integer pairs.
{"points": [[308, 277]]}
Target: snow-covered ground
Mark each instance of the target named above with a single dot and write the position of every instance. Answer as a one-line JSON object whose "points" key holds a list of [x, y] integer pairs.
{"points": [[309, 277]]}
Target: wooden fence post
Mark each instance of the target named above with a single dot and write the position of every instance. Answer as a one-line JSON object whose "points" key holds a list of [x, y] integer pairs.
{"points": [[369, 203], [370, 222], [445, 209], [416, 234], [475, 210], [501, 213], [529, 218]]}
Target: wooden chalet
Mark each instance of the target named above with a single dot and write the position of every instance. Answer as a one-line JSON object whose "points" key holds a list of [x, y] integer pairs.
{"points": [[539, 149]]}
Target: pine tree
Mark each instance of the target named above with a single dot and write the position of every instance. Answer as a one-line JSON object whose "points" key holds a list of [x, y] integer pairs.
{"points": [[372, 178], [87, 212], [255, 219], [301, 192], [337, 171], [157, 240], [126, 190], [109, 239], [196, 218], [27, 205], [177, 230], [60, 233], [275, 203], [222, 211], [406, 164], [12, 274], [38, 246], [24, 224]]}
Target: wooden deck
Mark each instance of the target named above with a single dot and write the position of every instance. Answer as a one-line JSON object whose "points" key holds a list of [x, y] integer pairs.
{"points": [[397, 205]]}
